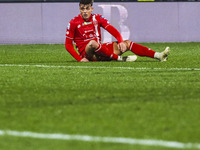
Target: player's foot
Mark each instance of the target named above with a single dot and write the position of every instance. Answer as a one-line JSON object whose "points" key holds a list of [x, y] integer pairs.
{"points": [[129, 58], [164, 54]]}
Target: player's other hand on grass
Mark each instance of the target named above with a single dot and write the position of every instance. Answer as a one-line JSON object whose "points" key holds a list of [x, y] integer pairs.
{"points": [[84, 60], [122, 47]]}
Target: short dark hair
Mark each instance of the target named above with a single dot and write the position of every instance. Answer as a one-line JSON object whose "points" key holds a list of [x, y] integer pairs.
{"points": [[86, 2]]}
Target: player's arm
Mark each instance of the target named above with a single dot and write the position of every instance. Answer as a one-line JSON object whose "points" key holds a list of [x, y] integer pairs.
{"points": [[114, 32], [70, 48], [69, 42]]}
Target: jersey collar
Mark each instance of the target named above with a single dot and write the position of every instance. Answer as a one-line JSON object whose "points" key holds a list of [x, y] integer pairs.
{"points": [[88, 19]]}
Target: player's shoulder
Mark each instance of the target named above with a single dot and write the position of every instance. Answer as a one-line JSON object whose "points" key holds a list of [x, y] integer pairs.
{"points": [[75, 20], [99, 17]]}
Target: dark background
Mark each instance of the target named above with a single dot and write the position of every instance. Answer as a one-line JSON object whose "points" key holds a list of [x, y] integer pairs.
{"points": [[10, 1]]}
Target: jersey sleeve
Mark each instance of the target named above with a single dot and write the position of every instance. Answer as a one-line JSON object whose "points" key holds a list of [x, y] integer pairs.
{"points": [[70, 30], [69, 40], [103, 21], [112, 30], [70, 48]]}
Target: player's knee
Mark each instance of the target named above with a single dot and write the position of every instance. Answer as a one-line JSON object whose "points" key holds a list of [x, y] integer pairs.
{"points": [[93, 44], [127, 42]]}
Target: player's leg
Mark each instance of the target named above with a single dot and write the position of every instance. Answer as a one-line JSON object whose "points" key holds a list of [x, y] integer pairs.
{"points": [[141, 50], [104, 52], [94, 49], [117, 51]]}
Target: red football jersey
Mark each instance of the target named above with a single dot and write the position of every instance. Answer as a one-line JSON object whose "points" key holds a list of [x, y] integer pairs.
{"points": [[82, 31]]}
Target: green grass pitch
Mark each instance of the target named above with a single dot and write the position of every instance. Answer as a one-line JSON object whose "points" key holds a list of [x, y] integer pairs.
{"points": [[110, 99]]}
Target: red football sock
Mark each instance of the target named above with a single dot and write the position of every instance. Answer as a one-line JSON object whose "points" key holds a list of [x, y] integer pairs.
{"points": [[141, 50], [103, 51]]}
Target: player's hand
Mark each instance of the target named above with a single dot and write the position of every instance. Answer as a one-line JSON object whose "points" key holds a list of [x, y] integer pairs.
{"points": [[122, 47], [84, 60]]}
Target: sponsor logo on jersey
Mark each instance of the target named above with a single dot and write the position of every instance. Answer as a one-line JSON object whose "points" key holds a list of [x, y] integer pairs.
{"points": [[87, 23], [91, 35]]}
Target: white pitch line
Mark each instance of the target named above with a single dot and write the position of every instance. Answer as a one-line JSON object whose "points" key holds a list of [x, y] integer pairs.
{"points": [[87, 138], [99, 67]]}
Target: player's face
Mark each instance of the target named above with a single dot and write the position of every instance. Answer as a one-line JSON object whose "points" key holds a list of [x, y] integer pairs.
{"points": [[86, 11]]}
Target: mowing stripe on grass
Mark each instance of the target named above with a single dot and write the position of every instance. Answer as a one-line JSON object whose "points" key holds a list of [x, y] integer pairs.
{"points": [[87, 138], [99, 67]]}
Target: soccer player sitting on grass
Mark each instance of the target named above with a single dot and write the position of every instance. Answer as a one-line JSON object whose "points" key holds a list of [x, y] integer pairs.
{"points": [[85, 31]]}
